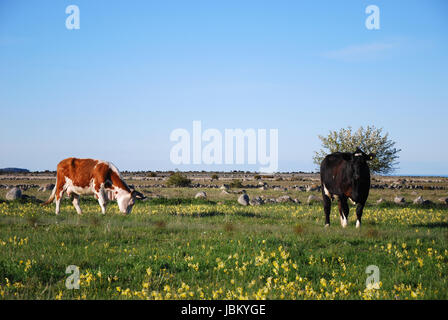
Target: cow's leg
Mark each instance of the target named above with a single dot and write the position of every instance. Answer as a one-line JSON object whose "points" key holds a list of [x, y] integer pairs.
{"points": [[327, 208], [343, 210], [102, 200], [60, 189], [75, 201], [359, 209], [58, 196]]}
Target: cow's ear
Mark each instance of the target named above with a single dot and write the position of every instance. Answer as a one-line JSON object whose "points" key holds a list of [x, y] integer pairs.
{"points": [[138, 195], [371, 156], [358, 152]]}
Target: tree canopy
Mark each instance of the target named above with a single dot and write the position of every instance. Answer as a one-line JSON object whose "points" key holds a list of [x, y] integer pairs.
{"points": [[369, 140]]}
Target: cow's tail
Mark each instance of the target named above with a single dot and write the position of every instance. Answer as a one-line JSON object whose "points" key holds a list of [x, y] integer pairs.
{"points": [[52, 196]]}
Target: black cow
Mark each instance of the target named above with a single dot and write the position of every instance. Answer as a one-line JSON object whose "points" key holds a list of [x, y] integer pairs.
{"points": [[345, 175]]}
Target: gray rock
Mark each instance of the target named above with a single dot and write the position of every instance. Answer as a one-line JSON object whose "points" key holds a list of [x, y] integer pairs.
{"points": [[444, 200], [312, 198], [201, 195], [14, 194], [313, 187], [243, 199], [47, 187], [256, 201], [284, 199], [418, 200], [399, 200]]}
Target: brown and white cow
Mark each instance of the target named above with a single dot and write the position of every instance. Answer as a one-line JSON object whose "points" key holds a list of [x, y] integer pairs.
{"points": [[88, 176]]}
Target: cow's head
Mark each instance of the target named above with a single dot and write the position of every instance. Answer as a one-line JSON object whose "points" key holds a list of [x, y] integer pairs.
{"points": [[126, 200], [359, 162]]}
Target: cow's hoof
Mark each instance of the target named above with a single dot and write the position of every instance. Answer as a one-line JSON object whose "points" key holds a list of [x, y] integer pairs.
{"points": [[327, 225], [358, 224]]}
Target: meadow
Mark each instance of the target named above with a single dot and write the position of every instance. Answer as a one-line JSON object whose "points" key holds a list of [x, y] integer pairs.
{"points": [[184, 248]]}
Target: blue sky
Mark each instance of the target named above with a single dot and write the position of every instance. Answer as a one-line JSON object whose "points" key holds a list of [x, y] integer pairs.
{"points": [[136, 70]]}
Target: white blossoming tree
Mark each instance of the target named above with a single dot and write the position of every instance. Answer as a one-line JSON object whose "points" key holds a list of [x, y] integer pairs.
{"points": [[369, 140]]}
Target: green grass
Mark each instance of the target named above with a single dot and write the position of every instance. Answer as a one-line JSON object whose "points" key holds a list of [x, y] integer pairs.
{"points": [[200, 249]]}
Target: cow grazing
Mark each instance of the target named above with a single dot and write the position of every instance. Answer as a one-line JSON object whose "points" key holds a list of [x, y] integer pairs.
{"points": [[88, 176], [345, 176]]}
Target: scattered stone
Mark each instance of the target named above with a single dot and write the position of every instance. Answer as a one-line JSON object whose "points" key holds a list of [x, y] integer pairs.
{"points": [[14, 194], [381, 200], [418, 200], [313, 187], [201, 195], [312, 198], [399, 200], [224, 192], [33, 199], [284, 199], [256, 201], [243, 199], [47, 187]]}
